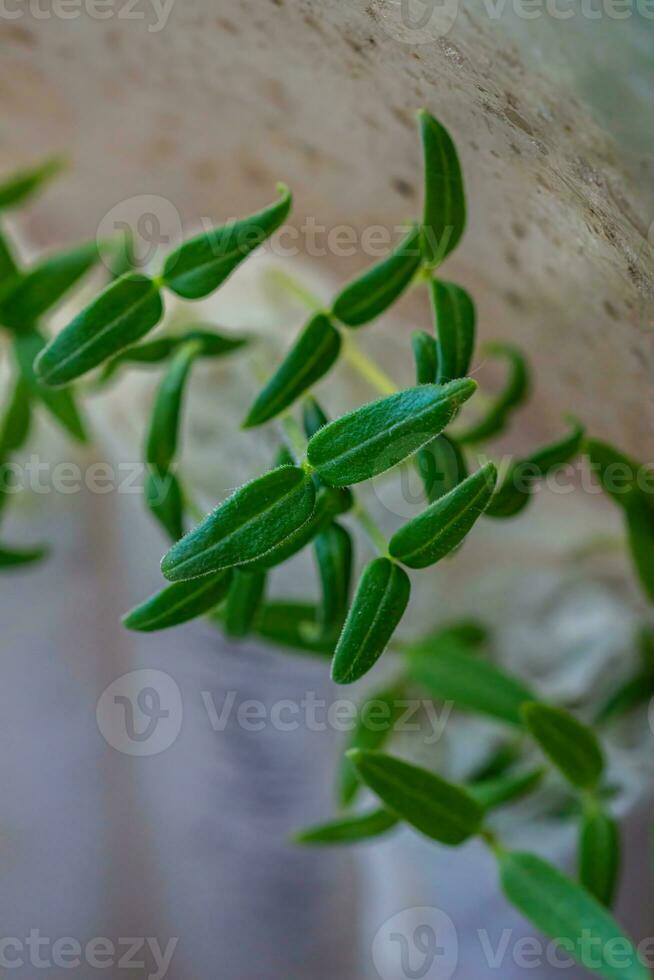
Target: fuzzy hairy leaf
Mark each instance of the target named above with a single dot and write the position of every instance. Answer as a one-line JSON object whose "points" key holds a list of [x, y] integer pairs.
{"points": [[328, 504], [164, 499], [349, 830], [375, 724], [123, 313], [444, 215], [379, 435], [599, 854], [425, 354], [16, 557], [432, 535], [294, 626], [472, 683], [493, 793], [440, 810], [569, 744], [376, 290], [442, 467], [40, 288], [381, 598], [455, 319], [203, 263], [333, 550], [28, 343], [163, 430], [243, 601], [256, 518], [21, 185], [515, 393], [179, 603], [310, 357], [567, 913]]}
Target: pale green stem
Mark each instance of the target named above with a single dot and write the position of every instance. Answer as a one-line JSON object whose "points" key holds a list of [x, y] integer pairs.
{"points": [[370, 526], [367, 369]]}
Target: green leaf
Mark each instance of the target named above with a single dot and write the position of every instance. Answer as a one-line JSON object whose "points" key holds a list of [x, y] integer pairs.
{"points": [[375, 724], [349, 830], [444, 215], [9, 272], [599, 854], [210, 344], [16, 557], [333, 549], [378, 606], [442, 527], [472, 683], [17, 419], [425, 354], [28, 343], [493, 793], [20, 186], [511, 398], [571, 746], [466, 634], [440, 810], [256, 518], [202, 264], [567, 913], [310, 357], [328, 504], [313, 417], [497, 763], [243, 601], [442, 466], [123, 313], [178, 603], [377, 289], [165, 501], [294, 626], [379, 435], [617, 473], [639, 516], [628, 696], [455, 318], [40, 288], [163, 431]]}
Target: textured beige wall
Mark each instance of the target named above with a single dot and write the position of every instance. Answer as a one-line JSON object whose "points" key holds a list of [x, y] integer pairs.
{"points": [[226, 98]]}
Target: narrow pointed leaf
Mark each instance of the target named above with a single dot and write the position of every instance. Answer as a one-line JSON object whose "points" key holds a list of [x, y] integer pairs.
{"points": [[455, 317], [178, 604], [378, 606], [377, 289], [466, 635], [123, 313], [165, 501], [442, 466], [19, 186], [333, 548], [313, 417], [349, 830], [375, 724], [628, 696], [311, 356], [472, 683], [497, 763], [425, 354], [442, 527], [17, 419], [200, 265], [444, 215], [243, 601], [40, 288], [377, 436], [617, 473], [569, 744], [28, 343], [599, 855], [493, 793], [163, 431], [515, 393], [16, 557], [440, 810], [210, 344], [567, 913], [328, 504], [256, 518], [9, 272], [639, 515], [294, 626]]}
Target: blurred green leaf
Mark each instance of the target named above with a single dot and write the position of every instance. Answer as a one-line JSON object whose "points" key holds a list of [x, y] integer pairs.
{"points": [[455, 319], [572, 746], [21, 185], [599, 854], [164, 499], [294, 626], [243, 602], [493, 793], [375, 723], [442, 466], [15, 427], [40, 288], [163, 430], [349, 830], [511, 398], [425, 354], [28, 343], [16, 557], [178, 603], [333, 549], [444, 215]]}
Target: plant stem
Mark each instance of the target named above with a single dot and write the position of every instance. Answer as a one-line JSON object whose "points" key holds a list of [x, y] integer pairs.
{"points": [[370, 526], [367, 369], [295, 288]]}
